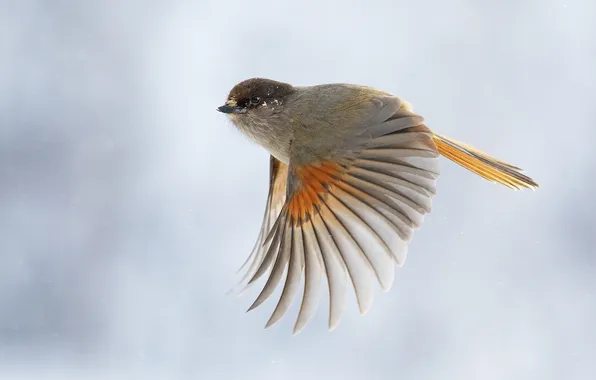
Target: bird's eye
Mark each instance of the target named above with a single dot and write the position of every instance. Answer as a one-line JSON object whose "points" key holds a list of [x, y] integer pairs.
{"points": [[255, 100]]}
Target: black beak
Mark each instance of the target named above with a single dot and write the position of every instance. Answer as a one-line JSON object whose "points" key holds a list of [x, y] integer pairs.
{"points": [[229, 109]]}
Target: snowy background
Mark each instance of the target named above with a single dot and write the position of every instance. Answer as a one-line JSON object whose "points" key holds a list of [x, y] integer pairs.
{"points": [[127, 202]]}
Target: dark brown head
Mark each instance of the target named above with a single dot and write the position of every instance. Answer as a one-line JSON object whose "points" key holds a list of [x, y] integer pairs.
{"points": [[256, 93]]}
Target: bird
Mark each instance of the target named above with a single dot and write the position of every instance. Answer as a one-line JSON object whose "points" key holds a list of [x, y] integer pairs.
{"points": [[352, 175]]}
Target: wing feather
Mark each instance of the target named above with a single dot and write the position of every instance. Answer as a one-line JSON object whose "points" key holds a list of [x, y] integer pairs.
{"points": [[278, 173], [312, 277]]}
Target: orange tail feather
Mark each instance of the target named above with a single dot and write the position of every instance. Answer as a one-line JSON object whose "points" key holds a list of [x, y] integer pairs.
{"points": [[482, 164]]}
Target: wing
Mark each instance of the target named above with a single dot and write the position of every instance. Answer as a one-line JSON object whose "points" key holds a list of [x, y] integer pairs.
{"points": [[278, 172], [350, 216]]}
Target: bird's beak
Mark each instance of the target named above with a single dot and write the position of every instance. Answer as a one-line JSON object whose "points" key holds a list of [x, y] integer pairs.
{"points": [[230, 109]]}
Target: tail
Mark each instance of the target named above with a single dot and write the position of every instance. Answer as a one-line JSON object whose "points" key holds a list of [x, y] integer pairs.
{"points": [[482, 164]]}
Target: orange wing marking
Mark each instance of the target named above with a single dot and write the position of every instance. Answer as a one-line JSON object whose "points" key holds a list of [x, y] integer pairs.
{"points": [[314, 182]]}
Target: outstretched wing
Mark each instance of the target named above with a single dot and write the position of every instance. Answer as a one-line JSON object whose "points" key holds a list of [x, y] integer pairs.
{"points": [[350, 216]]}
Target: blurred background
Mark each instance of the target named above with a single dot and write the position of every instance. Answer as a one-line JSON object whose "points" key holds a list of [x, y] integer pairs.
{"points": [[127, 203]]}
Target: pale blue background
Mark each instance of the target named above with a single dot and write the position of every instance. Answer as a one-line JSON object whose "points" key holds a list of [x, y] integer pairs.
{"points": [[127, 202]]}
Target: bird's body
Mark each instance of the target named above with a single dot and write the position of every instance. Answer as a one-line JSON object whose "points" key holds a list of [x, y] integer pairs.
{"points": [[352, 175]]}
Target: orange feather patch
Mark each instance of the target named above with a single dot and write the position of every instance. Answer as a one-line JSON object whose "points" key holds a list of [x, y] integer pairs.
{"points": [[314, 182]]}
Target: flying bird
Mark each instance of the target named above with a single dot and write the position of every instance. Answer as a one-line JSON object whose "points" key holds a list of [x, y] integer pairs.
{"points": [[352, 175]]}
